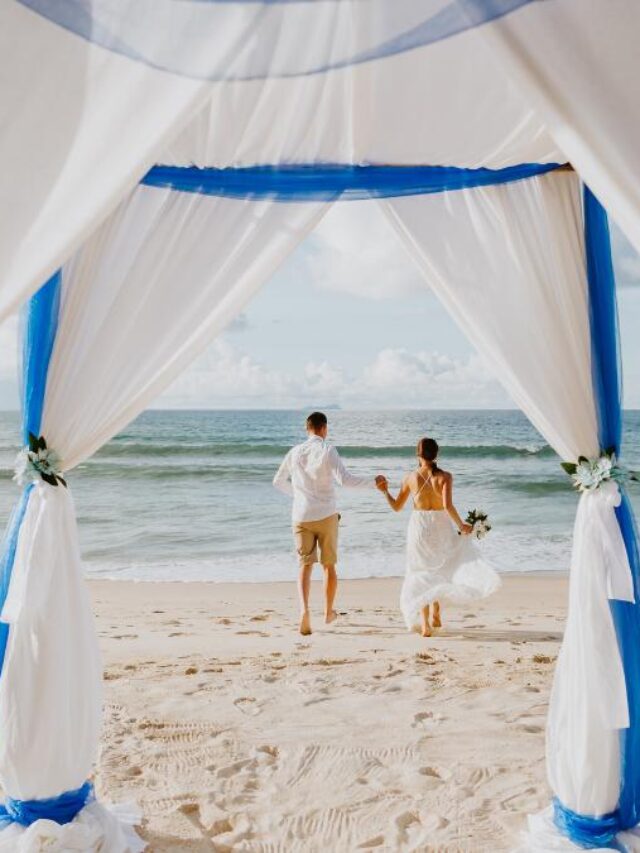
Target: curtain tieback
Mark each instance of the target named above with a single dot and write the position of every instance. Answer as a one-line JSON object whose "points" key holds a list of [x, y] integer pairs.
{"points": [[590, 474], [588, 831], [36, 460], [61, 809]]}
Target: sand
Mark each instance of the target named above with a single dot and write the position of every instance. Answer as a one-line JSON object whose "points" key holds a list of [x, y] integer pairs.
{"points": [[232, 732]]}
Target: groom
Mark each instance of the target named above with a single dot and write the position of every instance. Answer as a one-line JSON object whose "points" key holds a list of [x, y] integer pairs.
{"points": [[308, 473]]}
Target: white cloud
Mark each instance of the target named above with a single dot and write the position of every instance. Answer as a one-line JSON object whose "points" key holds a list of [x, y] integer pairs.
{"points": [[432, 380], [223, 374], [238, 324], [397, 378], [355, 250]]}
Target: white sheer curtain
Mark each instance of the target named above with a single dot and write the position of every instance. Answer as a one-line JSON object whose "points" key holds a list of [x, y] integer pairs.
{"points": [[122, 78], [508, 262], [65, 164], [143, 297], [576, 62]]}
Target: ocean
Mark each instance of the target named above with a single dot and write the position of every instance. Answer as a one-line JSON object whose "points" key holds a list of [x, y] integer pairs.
{"points": [[187, 495]]}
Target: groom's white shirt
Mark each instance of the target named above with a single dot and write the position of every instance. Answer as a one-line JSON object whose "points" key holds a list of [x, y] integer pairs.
{"points": [[309, 473]]}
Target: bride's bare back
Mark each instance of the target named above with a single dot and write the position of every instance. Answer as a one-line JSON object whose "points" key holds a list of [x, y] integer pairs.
{"points": [[431, 490], [428, 488]]}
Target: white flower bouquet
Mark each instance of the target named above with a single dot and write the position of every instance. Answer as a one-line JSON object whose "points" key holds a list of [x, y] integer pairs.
{"points": [[479, 521], [589, 474], [37, 460]]}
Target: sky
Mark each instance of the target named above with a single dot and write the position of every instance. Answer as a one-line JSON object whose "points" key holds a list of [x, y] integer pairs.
{"points": [[348, 321]]}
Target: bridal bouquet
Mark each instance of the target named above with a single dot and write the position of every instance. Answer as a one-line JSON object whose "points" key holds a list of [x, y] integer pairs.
{"points": [[479, 521]]}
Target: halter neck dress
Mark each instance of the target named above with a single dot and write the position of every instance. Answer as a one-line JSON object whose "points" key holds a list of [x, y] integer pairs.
{"points": [[441, 565]]}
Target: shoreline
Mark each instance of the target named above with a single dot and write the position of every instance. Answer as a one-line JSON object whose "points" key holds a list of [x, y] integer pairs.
{"points": [[233, 732], [93, 579]]}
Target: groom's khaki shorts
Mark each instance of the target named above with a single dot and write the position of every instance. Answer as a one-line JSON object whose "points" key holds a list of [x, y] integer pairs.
{"points": [[317, 536]]}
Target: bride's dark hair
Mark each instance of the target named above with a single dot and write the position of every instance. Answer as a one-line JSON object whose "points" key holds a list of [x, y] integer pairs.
{"points": [[428, 450]]}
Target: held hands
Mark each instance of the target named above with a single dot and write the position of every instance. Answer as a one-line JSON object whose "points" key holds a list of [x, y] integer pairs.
{"points": [[382, 483]]}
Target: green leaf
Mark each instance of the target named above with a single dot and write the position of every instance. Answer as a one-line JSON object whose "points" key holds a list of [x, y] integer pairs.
{"points": [[42, 444], [610, 451], [62, 480], [569, 467], [49, 478], [582, 459], [33, 442]]}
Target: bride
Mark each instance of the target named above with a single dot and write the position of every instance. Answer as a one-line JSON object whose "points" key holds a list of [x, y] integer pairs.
{"points": [[441, 565]]}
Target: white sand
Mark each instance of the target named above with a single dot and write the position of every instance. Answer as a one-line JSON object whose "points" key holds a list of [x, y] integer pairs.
{"points": [[234, 733]]}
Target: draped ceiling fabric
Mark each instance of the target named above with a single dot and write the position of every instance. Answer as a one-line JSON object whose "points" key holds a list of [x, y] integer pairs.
{"points": [[227, 85], [435, 96]]}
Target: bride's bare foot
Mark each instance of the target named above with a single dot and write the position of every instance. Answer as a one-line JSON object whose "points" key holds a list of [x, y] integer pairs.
{"points": [[330, 617], [424, 619], [436, 621], [305, 624]]}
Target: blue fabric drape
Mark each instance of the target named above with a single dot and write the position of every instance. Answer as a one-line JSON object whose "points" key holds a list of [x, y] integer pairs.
{"points": [[185, 56], [329, 182], [607, 382], [39, 325], [588, 832], [7, 560], [60, 809], [38, 331]]}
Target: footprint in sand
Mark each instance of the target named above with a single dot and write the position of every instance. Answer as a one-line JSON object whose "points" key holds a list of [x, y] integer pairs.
{"points": [[429, 771], [419, 720], [248, 705], [377, 841]]}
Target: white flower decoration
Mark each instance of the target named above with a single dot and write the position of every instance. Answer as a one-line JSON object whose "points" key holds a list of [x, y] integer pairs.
{"points": [[37, 461], [590, 474]]}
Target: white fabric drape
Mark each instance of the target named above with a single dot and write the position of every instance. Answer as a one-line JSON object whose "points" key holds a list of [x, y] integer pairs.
{"points": [[576, 62], [428, 106], [143, 297], [65, 165], [122, 79], [508, 262]]}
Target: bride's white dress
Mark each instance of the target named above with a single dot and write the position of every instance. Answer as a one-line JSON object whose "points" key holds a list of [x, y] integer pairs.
{"points": [[441, 566]]}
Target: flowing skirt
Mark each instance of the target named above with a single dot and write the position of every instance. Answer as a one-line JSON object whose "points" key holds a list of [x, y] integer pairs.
{"points": [[441, 566]]}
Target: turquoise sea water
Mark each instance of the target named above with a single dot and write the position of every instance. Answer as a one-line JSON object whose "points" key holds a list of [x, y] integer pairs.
{"points": [[185, 495]]}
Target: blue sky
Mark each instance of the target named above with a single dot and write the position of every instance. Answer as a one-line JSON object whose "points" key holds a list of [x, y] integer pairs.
{"points": [[348, 321]]}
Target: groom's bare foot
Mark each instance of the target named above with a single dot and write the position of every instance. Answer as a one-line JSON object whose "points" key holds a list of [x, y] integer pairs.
{"points": [[330, 617], [305, 624], [426, 631]]}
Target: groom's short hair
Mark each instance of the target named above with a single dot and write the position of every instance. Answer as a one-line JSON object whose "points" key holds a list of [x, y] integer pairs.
{"points": [[316, 420]]}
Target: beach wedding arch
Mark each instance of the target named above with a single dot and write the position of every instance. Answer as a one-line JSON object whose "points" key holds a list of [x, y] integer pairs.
{"points": [[161, 158]]}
